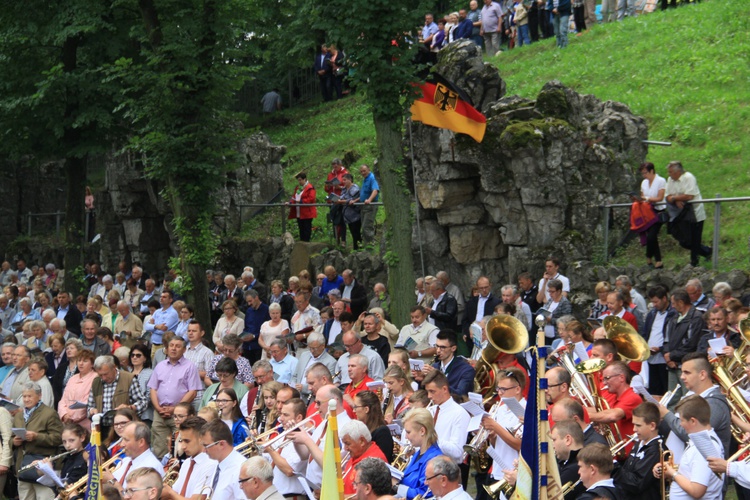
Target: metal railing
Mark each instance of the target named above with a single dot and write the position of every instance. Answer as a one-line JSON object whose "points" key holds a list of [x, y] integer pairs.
{"points": [[284, 207], [606, 209], [31, 216]]}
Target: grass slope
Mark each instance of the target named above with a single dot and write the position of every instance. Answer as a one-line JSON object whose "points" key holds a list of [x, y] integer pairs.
{"points": [[685, 70]]}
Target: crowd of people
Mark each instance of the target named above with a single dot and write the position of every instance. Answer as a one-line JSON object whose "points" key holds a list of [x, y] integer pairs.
{"points": [[351, 204], [282, 356]]}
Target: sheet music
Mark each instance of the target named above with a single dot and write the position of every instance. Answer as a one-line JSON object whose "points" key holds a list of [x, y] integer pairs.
{"points": [[306, 485], [494, 455], [580, 351], [639, 389], [475, 422], [395, 473], [375, 385], [395, 429], [416, 364], [476, 397], [717, 345], [50, 477], [676, 446], [705, 446], [515, 407], [472, 408]]}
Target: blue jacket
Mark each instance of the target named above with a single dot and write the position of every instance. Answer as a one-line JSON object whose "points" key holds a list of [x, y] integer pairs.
{"points": [[563, 7], [463, 30], [415, 472], [254, 319], [460, 376], [239, 431]]}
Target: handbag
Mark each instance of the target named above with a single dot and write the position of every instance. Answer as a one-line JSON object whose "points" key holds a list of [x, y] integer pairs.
{"points": [[642, 216], [32, 474]]}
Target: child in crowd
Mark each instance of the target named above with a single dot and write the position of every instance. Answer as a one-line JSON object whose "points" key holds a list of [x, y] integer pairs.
{"points": [[635, 478]]}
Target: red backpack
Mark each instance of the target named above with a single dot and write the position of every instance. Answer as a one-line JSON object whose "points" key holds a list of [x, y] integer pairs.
{"points": [[642, 216]]}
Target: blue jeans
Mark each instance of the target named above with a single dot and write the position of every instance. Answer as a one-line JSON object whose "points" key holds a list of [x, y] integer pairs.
{"points": [[523, 35], [561, 29]]}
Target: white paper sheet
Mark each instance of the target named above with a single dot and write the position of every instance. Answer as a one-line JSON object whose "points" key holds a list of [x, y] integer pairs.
{"points": [[20, 432], [515, 407], [375, 385], [306, 485], [78, 406], [395, 429], [676, 446], [472, 408], [494, 455], [416, 364], [476, 397], [49, 477], [395, 473], [717, 345], [580, 351], [705, 446], [475, 422]]}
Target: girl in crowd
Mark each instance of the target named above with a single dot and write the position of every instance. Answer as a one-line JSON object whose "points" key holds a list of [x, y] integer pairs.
{"points": [[74, 466], [187, 313], [267, 415], [420, 432], [140, 360], [400, 357], [653, 188], [230, 414], [368, 410], [181, 412], [399, 391]]}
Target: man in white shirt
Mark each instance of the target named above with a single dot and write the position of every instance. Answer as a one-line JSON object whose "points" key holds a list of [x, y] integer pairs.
{"points": [[551, 272], [451, 421], [353, 345], [419, 337], [311, 447], [316, 353], [287, 463], [216, 438], [136, 441], [198, 354], [284, 364], [197, 471], [681, 188], [653, 331], [443, 477]]}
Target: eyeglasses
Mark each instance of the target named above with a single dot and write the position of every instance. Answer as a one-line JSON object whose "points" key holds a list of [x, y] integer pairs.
{"points": [[550, 386], [136, 355], [349, 346], [501, 390], [245, 479], [223, 400], [120, 424], [606, 379], [128, 492], [432, 477], [178, 417], [358, 406], [207, 446], [223, 375], [441, 347]]}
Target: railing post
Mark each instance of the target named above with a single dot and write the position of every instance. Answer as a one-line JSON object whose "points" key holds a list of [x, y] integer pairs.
{"points": [[717, 232], [239, 228], [57, 223], [283, 220], [29, 224], [86, 228], [605, 222]]}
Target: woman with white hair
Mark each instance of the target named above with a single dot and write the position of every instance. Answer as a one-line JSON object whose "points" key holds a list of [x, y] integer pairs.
{"points": [[273, 329], [359, 445], [25, 314]]}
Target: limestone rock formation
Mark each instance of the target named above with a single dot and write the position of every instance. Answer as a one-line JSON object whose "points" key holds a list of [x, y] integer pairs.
{"points": [[532, 187]]}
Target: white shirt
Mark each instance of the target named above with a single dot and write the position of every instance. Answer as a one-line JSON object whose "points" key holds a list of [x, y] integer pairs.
{"points": [[457, 494], [565, 283], [504, 452], [694, 467], [604, 482], [687, 184], [480, 307], [145, 459], [203, 473], [284, 369], [334, 331], [375, 369], [314, 472], [652, 191], [451, 428], [228, 487], [656, 338], [285, 484], [434, 306]]}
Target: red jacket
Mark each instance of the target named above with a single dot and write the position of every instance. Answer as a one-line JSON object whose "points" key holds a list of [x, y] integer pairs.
{"points": [[308, 196], [330, 188]]}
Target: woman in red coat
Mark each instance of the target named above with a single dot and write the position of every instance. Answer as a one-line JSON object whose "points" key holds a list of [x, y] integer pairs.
{"points": [[304, 193]]}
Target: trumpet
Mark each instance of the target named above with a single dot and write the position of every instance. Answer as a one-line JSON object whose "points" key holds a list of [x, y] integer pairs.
{"points": [[402, 459], [421, 497], [495, 489], [479, 442], [616, 449], [569, 486], [51, 459], [307, 425], [665, 456], [79, 487], [172, 471]]}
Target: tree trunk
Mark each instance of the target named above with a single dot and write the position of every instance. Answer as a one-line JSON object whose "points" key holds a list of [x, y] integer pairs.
{"points": [[397, 218], [75, 178]]}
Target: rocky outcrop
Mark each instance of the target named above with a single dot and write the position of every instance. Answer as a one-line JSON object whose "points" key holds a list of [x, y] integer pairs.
{"points": [[532, 187]]}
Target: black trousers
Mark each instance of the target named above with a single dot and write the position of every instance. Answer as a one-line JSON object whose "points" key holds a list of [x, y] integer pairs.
{"points": [[305, 229], [668, 3], [325, 87], [657, 379], [534, 25], [579, 14], [697, 249], [545, 24], [356, 229], [652, 242], [252, 355]]}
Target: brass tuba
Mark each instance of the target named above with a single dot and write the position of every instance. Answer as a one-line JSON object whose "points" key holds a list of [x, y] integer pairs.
{"points": [[735, 365], [505, 335], [589, 368], [630, 345]]}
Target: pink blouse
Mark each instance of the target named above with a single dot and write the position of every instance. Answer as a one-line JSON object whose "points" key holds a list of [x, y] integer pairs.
{"points": [[77, 389]]}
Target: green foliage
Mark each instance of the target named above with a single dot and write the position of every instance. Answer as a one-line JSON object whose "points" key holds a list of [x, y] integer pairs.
{"points": [[687, 72]]}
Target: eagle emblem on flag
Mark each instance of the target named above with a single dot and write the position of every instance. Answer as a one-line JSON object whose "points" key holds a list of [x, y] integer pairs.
{"points": [[445, 98]]}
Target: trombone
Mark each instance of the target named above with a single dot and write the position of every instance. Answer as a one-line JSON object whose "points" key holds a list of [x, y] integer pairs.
{"points": [[307, 425]]}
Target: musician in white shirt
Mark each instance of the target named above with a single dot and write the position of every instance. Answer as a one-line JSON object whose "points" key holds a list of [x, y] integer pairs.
{"points": [[216, 438], [287, 462], [136, 441], [451, 421], [197, 472]]}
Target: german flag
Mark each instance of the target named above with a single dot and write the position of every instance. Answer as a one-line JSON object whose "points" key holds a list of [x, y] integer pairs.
{"points": [[443, 105]]}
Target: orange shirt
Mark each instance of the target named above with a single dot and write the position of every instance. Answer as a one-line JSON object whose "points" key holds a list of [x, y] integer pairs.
{"points": [[352, 389], [349, 473]]}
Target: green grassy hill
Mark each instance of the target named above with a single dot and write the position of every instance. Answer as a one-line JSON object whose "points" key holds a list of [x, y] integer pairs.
{"points": [[687, 71]]}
